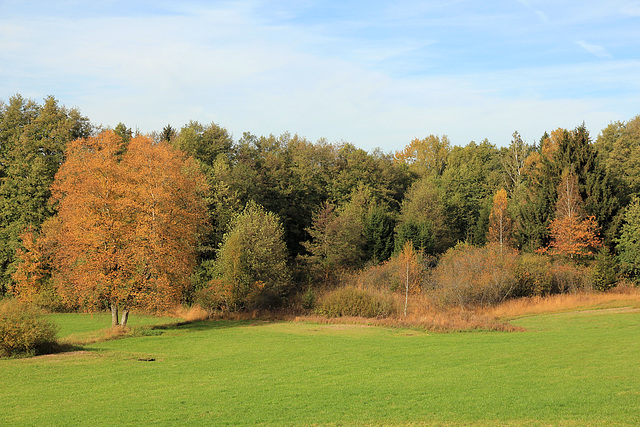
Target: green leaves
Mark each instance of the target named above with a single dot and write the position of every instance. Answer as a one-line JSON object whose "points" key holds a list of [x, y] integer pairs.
{"points": [[252, 261]]}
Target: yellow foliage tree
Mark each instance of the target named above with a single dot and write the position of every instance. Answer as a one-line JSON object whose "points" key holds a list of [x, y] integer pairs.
{"points": [[427, 156], [499, 220], [127, 225]]}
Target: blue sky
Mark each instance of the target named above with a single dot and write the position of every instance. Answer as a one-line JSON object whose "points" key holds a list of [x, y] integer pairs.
{"points": [[373, 73]]}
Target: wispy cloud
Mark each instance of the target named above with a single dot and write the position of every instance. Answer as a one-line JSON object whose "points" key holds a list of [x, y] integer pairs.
{"points": [[594, 49], [375, 75]]}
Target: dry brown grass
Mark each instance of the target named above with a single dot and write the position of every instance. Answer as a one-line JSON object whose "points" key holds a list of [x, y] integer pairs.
{"points": [[191, 314], [422, 314], [102, 335], [623, 296]]}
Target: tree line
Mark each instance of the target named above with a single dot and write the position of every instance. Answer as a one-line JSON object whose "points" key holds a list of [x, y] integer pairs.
{"points": [[100, 218]]}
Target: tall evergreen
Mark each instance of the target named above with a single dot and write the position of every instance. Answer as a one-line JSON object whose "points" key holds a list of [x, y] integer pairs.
{"points": [[573, 151], [32, 146]]}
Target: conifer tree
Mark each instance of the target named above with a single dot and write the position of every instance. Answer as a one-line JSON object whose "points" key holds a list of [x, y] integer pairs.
{"points": [[33, 141]]}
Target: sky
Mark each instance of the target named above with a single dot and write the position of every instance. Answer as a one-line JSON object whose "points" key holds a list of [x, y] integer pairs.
{"points": [[373, 73]]}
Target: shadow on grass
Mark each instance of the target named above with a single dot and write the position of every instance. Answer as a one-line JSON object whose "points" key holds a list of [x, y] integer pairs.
{"points": [[211, 324]]}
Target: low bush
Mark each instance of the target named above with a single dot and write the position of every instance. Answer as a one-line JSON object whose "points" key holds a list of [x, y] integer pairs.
{"points": [[24, 329], [605, 270], [570, 277], [308, 299], [534, 275], [354, 302], [469, 276]]}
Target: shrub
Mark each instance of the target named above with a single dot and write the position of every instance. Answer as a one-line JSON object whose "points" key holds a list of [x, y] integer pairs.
{"points": [[308, 299], [468, 275], [391, 275], [604, 271], [352, 301], [24, 329], [214, 295], [534, 275], [570, 277]]}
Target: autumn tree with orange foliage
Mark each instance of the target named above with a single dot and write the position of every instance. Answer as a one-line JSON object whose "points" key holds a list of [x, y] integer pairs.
{"points": [[572, 233], [499, 220], [127, 225]]}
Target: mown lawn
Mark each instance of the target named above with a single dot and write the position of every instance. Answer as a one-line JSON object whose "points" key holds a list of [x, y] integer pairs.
{"points": [[579, 368]]}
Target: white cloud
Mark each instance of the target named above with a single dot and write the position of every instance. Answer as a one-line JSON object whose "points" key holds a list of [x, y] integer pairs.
{"points": [[594, 49], [228, 66]]}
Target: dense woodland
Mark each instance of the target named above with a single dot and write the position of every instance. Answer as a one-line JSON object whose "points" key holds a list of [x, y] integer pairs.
{"points": [[92, 218]]}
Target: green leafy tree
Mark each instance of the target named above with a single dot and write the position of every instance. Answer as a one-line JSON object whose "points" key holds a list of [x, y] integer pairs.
{"points": [[422, 219], [252, 261], [337, 241], [473, 174], [514, 162], [628, 244], [605, 270], [618, 147], [212, 147], [33, 140]]}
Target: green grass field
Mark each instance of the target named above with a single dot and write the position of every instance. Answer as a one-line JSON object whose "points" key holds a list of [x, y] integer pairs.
{"points": [[577, 368]]}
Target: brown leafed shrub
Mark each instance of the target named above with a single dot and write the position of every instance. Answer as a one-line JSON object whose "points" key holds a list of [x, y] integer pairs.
{"points": [[407, 267], [534, 275], [24, 329], [350, 301], [192, 313], [468, 275], [570, 277], [214, 295]]}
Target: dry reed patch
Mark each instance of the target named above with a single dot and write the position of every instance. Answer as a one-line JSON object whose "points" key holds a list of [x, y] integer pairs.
{"points": [[627, 298]]}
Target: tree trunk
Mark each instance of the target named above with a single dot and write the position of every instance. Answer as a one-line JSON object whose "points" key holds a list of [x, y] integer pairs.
{"points": [[406, 291], [114, 314], [125, 317]]}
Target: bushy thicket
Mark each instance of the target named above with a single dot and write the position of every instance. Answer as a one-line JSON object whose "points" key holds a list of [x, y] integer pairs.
{"points": [[468, 275], [24, 329], [481, 276], [352, 301]]}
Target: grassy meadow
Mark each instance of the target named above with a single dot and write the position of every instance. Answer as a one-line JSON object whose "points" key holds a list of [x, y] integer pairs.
{"points": [[571, 368]]}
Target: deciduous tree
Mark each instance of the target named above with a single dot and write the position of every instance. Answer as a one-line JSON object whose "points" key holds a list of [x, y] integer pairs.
{"points": [[572, 233], [427, 156], [127, 226], [499, 220], [628, 244], [252, 261]]}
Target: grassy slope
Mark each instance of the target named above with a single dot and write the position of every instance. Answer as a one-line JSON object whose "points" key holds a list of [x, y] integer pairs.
{"points": [[575, 368]]}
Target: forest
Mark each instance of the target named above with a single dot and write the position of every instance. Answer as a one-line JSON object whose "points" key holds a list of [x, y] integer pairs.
{"points": [[93, 218]]}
